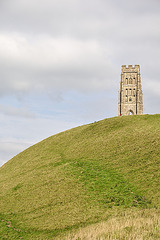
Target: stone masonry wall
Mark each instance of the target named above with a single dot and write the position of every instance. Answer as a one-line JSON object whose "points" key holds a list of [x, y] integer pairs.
{"points": [[130, 93]]}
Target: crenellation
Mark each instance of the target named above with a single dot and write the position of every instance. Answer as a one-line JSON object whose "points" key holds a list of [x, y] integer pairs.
{"points": [[131, 68]]}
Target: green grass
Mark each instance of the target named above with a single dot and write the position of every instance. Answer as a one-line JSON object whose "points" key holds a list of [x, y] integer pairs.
{"points": [[80, 177]]}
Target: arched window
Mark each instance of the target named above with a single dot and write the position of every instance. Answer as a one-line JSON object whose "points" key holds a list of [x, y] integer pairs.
{"points": [[134, 80], [130, 81], [126, 80]]}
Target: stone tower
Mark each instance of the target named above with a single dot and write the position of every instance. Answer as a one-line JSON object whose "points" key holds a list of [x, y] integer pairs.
{"points": [[130, 93]]}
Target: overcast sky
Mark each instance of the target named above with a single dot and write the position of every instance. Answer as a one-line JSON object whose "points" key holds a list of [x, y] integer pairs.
{"points": [[60, 64]]}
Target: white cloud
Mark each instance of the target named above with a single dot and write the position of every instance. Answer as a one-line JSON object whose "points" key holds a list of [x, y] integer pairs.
{"points": [[45, 62]]}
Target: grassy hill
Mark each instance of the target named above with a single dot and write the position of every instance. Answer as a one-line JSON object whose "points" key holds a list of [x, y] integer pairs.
{"points": [[83, 177]]}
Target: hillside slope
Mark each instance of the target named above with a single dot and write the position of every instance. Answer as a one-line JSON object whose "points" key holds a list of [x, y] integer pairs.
{"points": [[81, 176]]}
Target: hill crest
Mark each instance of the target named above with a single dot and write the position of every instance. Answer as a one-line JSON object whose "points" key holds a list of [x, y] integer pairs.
{"points": [[82, 175]]}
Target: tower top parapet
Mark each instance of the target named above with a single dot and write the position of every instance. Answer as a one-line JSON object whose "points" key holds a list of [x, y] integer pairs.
{"points": [[131, 68]]}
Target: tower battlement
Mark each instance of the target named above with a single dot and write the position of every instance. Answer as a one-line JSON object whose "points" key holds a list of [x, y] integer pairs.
{"points": [[131, 68], [130, 93]]}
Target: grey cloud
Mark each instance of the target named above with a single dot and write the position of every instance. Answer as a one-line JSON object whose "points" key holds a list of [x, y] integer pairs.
{"points": [[14, 111], [150, 89], [96, 18], [52, 63], [76, 44]]}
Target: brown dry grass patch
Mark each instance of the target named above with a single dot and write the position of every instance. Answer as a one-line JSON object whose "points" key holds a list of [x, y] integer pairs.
{"points": [[134, 225]]}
